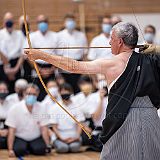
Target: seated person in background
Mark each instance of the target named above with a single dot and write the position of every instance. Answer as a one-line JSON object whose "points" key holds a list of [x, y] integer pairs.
{"points": [[71, 37], [115, 20], [82, 101], [28, 132], [20, 87], [102, 40], [46, 38], [68, 133], [53, 88], [4, 108], [60, 79], [11, 46], [49, 104], [149, 34], [99, 105]]}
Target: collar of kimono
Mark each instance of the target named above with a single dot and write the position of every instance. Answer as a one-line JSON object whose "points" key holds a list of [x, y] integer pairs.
{"points": [[40, 77]]}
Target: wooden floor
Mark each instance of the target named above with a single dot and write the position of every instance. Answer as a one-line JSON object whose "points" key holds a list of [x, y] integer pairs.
{"points": [[55, 156]]}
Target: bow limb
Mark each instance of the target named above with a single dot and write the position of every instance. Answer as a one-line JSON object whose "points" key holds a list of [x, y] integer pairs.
{"points": [[40, 77]]}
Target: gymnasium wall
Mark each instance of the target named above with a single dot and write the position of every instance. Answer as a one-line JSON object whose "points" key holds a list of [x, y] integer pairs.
{"points": [[94, 10]]}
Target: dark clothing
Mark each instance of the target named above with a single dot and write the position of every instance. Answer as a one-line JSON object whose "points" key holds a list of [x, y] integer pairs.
{"points": [[36, 147], [72, 79], [27, 71], [140, 78], [3, 142], [3, 76], [36, 80]]}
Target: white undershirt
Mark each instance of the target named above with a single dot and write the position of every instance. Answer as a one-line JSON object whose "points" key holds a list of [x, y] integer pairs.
{"points": [[97, 53], [76, 39]]}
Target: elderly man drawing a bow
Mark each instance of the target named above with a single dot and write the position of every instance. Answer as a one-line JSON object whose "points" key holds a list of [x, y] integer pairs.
{"points": [[131, 128]]}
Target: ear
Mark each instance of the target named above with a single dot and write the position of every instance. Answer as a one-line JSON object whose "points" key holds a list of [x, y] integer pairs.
{"points": [[120, 41]]}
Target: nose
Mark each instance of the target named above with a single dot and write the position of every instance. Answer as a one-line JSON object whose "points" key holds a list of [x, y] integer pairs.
{"points": [[110, 42]]}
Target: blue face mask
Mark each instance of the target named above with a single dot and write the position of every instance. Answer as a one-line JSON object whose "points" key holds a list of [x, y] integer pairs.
{"points": [[106, 28], [70, 24], [31, 100], [43, 26], [149, 37]]}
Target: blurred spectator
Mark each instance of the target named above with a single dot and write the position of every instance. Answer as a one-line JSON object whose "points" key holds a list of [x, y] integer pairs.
{"points": [[28, 130], [70, 37], [27, 66], [83, 101], [60, 79], [101, 40], [43, 37], [11, 43], [4, 108], [115, 20], [66, 130], [99, 105], [20, 87], [149, 34], [22, 25]]}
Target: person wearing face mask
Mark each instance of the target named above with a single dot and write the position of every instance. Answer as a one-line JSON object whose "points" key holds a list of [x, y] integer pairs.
{"points": [[28, 132], [20, 86], [71, 37], [4, 109], [11, 46], [83, 101], [149, 34], [43, 37], [101, 40], [68, 133]]}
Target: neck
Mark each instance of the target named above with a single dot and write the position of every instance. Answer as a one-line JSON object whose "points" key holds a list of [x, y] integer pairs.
{"points": [[107, 35], [70, 31], [30, 108], [44, 33], [67, 102], [125, 49]]}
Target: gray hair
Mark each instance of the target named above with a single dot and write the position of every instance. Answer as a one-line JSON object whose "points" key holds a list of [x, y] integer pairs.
{"points": [[21, 83], [31, 85], [128, 32]]}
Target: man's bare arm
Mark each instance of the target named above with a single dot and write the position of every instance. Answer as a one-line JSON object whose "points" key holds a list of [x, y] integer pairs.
{"points": [[71, 65], [4, 59]]}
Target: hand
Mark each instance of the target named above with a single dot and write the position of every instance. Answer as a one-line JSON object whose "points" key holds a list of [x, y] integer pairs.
{"points": [[11, 153], [9, 70], [48, 148], [70, 140], [102, 93], [4, 133], [33, 54]]}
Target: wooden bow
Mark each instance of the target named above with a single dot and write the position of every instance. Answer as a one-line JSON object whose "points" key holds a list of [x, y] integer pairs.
{"points": [[40, 77]]}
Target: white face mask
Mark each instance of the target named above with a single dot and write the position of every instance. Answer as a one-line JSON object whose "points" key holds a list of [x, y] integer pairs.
{"points": [[101, 84], [53, 91]]}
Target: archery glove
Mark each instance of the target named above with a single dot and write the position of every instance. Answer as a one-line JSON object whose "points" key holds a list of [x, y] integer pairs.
{"points": [[150, 49]]}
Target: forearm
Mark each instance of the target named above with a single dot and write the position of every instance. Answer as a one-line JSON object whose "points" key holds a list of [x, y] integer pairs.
{"points": [[11, 138], [79, 131], [98, 112], [56, 132], [20, 62], [45, 135], [4, 59], [69, 64]]}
